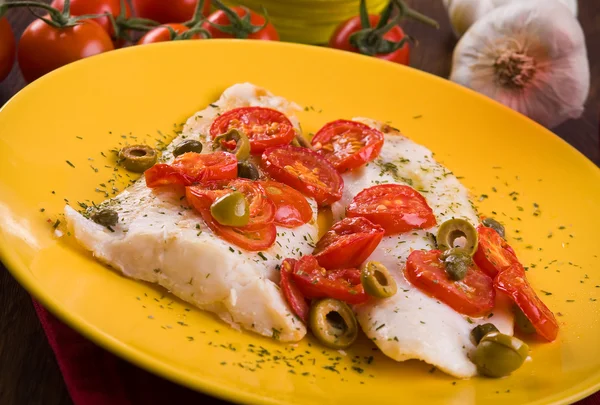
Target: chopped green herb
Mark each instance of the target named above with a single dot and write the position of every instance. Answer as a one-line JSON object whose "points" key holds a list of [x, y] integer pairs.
{"points": [[70, 164]]}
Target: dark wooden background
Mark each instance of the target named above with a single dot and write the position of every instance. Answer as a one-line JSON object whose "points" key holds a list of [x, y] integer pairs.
{"points": [[28, 371]]}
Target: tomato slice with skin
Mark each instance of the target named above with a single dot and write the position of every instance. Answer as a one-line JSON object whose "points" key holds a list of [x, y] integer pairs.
{"points": [[291, 207], [304, 170], [472, 296], [512, 281], [348, 144], [397, 208], [264, 127], [348, 243], [314, 281], [291, 292], [191, 168], [493, 253]]}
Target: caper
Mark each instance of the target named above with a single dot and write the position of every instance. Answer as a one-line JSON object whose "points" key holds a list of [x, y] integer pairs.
{"points": [[138, 158], [189, 145], [248, 170], [231, 209], [333, 323], [457, 263], [523, 323], [456, 228], [498, 355], [106, 217], [242, 143], [495, 225], [377, 280], [480, 331]]}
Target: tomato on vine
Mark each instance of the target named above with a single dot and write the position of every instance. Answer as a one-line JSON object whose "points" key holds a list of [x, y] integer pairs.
{"points": [[239, 22], [7, 48]]}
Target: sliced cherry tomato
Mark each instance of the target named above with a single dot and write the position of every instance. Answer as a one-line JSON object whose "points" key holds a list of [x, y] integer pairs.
{"points": [[291, 207], [395, 207], [493, 254], [348, 144], [511, 280], [348, 243], [162, 34], [291, 292], [247, 25], [168, 11], [7, 48], [264, 127], [192, 168], [473, 296], [305, 171], [314, 281]]}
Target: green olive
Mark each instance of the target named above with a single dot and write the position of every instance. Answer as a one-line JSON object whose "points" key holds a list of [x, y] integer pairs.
{"points": [[242, 143], [457, 263], [498, 355], [138, 158], [106, 217], [333, 323], [377, 280], [189, 145], [248, 170], [495, 225], [523, 323], [456, 228], [231, 209], [480, 331]]}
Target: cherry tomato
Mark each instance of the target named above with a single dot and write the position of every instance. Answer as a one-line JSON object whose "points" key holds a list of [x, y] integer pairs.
{"points": [[162, 34], [291, 207], [191, 168], [168, 11], [43, 48], [348, 144], [348, 243], [493, 253], [473, 296], [314, 281], [7, 48], [240, 28], [511, 280], [291, 292], [264, 127], [305, 171], [395, 207]]}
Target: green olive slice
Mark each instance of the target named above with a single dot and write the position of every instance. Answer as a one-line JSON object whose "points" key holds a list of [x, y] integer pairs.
{"points": [[138, 158], [248, 170], [189, 145], [242, 143], [495, 225], [453, 229], [106, 217], [498, 355], [457, 263], [480, 331], [231, 209], [522, 322], [377, 280], [333, 323]]}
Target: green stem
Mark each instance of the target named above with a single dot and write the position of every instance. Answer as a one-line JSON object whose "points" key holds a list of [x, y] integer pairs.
{"points": [[197, 18], [56, 15], [406, 11]]}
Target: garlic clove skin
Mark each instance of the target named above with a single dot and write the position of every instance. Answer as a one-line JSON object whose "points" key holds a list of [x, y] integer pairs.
{"points": [[529, 56]]}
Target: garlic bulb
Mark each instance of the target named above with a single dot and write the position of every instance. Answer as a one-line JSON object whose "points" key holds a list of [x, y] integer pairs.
{"points": [[529, 56], [463, 13]]}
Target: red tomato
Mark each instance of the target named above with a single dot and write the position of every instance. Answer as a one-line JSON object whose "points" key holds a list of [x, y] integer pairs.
{"points": [[240, 28], [291, 292], [7, 48], [264, 127], [341, 39], [162, 34], [305, 171], [255, 239], [473, 296], [511, 280], [348, 243], [493, 254], [291, 207], [395, 207], [168, 11], [43, 48], [348, 144], [314, 281], [192, 168]]}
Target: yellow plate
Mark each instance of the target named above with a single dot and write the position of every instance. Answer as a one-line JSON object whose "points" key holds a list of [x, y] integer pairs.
{"points": [[546, 192]]}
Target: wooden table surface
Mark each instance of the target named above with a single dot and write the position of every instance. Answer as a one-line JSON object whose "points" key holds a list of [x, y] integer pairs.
{"points": [[28, 371]]}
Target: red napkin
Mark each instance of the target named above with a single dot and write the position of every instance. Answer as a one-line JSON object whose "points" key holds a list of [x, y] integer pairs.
{"points": [[96, 377]]}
